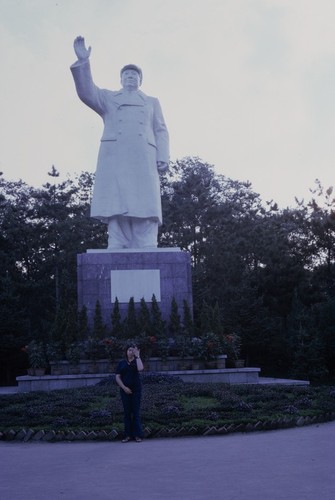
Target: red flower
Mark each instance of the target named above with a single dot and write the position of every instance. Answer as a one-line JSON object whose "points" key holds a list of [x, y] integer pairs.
{"points": [[108, 341]]}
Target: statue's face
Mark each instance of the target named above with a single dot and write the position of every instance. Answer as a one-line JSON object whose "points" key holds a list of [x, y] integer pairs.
{"points": [[130, 79]]}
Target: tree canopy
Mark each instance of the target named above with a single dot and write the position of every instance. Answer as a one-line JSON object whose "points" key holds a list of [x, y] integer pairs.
{"points": [[265, 273]]}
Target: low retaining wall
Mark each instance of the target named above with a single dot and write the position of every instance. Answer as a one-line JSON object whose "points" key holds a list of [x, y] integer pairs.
{"points": [[226, 376], [28, 383]]}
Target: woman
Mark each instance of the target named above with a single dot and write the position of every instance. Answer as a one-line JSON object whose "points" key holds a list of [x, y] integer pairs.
{"points": [[128, 379]]}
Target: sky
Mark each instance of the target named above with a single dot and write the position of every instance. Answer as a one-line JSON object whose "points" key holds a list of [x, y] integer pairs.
{"points": [[248, 86]]}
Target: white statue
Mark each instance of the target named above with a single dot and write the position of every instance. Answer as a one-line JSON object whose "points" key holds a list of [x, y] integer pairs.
{"points": [[134, 150]]}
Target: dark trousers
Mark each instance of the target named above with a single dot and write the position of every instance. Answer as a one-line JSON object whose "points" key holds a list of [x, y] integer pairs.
{"points": [[131, 407]]}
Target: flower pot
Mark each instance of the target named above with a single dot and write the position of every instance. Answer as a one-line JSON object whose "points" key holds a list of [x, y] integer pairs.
{"points": [[93, 368], [211, 365], [239, 363], [164, 365], [221, 362], [196, 364], [74, 370], [57, 371], [39, 372]]}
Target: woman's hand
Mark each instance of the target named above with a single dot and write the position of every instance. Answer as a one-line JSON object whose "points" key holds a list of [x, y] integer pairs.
{"points": [[79, 47], [136, 352], [127, 390]]}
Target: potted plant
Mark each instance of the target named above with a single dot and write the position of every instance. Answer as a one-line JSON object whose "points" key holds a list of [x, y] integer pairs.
{"points": [[182, 349], [73, 357], [92, 345], [197, 353], [211, 349], [232, 347], [113, 350], [37, 358], [55, 356]]}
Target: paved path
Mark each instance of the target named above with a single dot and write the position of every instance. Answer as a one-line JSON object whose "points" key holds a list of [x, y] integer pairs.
{"points": [[290, 464]]}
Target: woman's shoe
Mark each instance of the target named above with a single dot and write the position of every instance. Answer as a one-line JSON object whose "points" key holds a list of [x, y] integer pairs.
{"points": [[125, 440], [138, 440]]}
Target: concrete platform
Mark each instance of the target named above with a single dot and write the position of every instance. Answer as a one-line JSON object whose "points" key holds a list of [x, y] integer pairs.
{"points": [[96, 378], [28, 383]]}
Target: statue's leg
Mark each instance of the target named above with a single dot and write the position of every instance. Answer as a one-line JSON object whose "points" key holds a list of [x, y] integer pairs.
{"points": [[144, 232], [119, 232]]}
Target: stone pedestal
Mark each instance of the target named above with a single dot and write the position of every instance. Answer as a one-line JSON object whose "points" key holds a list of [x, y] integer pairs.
{"points": [[104, 275]]}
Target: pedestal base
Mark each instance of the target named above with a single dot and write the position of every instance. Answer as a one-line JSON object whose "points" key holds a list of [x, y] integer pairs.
{"points": [[104, 275]]}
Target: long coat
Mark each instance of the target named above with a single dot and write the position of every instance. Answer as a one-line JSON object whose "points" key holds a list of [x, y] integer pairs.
{"points": [[134, 138]]}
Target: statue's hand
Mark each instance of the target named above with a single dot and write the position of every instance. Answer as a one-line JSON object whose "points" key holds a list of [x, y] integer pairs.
{"points": [[162, 167], [79, 47]]}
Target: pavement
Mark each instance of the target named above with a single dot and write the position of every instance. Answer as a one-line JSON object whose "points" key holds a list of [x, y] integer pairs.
{"points": [[289, 464], [14, 389]]}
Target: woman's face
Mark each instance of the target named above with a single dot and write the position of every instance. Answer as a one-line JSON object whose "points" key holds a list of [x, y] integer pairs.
{"points": [[130, 352]]}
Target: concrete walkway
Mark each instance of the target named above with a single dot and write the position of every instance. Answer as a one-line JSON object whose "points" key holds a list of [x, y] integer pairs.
{"points": [[290, 464], [14, 389]]}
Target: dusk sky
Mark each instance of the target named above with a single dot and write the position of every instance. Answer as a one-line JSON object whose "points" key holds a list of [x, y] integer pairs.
{"points": [[246, 85]]}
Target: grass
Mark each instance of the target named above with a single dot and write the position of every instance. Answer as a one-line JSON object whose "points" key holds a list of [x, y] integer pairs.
{"points": [[167, 402]]}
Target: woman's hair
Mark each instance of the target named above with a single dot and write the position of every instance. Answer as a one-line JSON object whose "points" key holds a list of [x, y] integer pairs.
{"points": [[127, 347]]}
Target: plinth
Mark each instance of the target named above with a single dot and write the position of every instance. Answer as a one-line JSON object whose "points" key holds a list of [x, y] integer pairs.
{"points": [[105, 275]]}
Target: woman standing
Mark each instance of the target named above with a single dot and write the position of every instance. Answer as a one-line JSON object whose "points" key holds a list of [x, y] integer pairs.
{"points": [[128, 379]]}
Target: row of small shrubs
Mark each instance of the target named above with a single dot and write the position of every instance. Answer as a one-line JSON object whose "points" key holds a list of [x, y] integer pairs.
{"points": [[167, 401]]}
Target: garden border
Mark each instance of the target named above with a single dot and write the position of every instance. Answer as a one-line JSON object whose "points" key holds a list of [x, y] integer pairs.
{"points": [[26, 435]]}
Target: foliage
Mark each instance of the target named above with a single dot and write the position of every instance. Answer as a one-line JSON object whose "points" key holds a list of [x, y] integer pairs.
{"points": [[54, 351], [175, 321], [167, 402], [83, 328], [116, 319], [99, 329], [130, 324], [265, 273], [73, 353], [212, 346], [231, 345], [188, 325], [113, 348], [36, 354], [157, 322]]}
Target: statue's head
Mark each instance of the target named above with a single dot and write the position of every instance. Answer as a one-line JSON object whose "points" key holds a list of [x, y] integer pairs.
{"points": [[131, 68]]}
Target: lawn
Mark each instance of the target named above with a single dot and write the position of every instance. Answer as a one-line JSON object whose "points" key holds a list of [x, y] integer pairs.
{"points": [[168, 403]]}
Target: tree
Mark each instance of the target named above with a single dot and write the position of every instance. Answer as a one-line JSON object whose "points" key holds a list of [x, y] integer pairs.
{"points": [[157, 323], [175, 321], [117, 329], [130, 325], [99, 329], [188, 325], [143, 319], [83, 328]]}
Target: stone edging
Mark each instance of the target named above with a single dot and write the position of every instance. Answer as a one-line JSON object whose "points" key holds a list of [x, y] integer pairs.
{"points": [[25, 435]]}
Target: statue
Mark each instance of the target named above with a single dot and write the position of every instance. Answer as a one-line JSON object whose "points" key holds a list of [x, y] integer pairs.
{"points": [[134, 150]]}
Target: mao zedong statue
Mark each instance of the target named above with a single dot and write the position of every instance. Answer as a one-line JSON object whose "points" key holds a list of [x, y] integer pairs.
{"points": [[134, 150]]}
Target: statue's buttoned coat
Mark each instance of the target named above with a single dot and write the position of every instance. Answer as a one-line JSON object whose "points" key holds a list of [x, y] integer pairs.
{"points": [[134, 138]]}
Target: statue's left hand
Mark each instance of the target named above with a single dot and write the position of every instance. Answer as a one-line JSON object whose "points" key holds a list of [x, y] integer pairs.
{"points": [[162, 166]]}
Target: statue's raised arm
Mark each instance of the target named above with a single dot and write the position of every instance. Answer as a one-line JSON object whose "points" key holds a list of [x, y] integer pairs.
{"points": [[80, 49]]}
